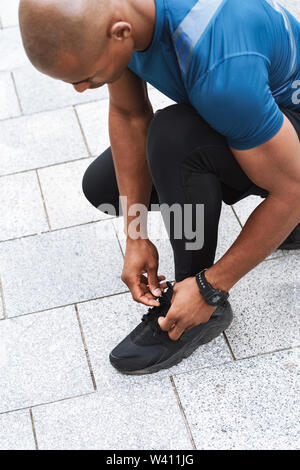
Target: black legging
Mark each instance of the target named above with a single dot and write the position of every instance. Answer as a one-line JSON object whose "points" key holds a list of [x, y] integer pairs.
{"points": [[190, 163]]}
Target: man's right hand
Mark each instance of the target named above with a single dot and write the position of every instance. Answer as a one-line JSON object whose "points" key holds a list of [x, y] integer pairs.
{"points": [[140, 272]]}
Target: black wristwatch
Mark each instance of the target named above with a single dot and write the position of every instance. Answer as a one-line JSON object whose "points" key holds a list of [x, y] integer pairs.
{"points": [[211, 296]]}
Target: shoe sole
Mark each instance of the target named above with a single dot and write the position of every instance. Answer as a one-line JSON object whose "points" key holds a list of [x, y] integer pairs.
{"points": [[290, 247], [213, 332]]}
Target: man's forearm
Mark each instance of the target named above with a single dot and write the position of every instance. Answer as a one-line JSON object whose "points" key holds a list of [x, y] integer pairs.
{"points": [[128, 136], [266, 228]]}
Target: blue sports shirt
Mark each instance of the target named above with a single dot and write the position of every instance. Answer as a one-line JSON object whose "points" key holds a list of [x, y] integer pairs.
{"points": [[234, 61]]}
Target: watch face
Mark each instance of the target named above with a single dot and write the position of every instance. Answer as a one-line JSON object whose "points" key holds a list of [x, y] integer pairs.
{"points": [[216, 298]]}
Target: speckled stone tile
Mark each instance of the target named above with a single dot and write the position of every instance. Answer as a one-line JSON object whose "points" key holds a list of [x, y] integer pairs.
{"points": [[16, 431], [158, 99], [21, 206], [9, 106], [158, 236], [264, 303], [42, 359], [246, 206], [293, 6], [39, 92], [1, 303], [143, 417], [40, 140], [9, 12], [60, 268], [244, 209], [229, 230], [11, 49], [106, 322], [94, 121], [250, 404], [64, 183]]}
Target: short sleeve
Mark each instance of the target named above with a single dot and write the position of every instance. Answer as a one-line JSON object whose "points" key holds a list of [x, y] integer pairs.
{"points": [[235, 99]]}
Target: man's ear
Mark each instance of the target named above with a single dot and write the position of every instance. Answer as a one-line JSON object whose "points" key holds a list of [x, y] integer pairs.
{"points": [[121, 30]]}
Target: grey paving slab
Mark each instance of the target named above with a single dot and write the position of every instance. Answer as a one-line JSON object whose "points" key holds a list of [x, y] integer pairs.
{"points": [[265, 307], [21, 206], [158, 99], [94, 121], [229, 230], [9, 106], [158, 235], [107, 321], [65, 201], [11, 49], [60, 268], [16, 431], [143, 417], [244, 209], [40, 140], [250, 404], [293, 6], [42, 359], [39, 92], [1, 303], [9, 12]]}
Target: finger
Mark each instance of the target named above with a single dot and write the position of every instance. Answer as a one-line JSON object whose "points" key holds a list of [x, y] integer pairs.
{"points": [[140, 294], [153, 283], [167, 323], [162, 284], [176, 332]]}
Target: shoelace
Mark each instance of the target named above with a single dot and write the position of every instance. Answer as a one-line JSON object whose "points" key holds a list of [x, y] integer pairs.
{"points": [[154, 313]]}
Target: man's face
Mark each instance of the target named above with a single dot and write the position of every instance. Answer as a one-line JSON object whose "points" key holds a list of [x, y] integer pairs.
{"points": [[84, 73]]}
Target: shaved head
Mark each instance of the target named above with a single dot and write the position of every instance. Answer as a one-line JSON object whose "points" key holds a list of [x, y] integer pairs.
{"points": [[57, 30]]}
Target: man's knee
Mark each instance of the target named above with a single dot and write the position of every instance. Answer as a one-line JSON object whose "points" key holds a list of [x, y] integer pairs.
{"points": [[176, 129], [97, 191]]}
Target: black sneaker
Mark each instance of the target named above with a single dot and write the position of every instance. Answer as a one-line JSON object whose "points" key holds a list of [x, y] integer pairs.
{"points": [[148, 349], [292, 242]]}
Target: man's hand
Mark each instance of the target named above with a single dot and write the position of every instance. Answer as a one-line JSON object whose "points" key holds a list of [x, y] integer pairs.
{"points": [[141, 258], [188, 309]]}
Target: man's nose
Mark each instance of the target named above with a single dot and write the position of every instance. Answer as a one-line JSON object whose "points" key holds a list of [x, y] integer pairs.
{"points": [[81, 87]]}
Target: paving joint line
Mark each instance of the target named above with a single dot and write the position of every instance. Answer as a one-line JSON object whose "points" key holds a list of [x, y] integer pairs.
{"points": [[3, 300], [44, 167], [119, 242], [46, 403], [54, 230], [43, 199], [267, 353], [82, 131], [187, 425], [238, 219], [53, 110], [229, 346], [17, 93], [33, 429], [66, 305], [86, 349]]}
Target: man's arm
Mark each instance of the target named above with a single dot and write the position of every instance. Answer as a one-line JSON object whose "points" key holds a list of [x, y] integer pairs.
{"points": [[130, 113], [274, 166]]}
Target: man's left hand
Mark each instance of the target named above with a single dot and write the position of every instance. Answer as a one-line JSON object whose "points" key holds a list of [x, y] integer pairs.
{"points": [[188, 309]]}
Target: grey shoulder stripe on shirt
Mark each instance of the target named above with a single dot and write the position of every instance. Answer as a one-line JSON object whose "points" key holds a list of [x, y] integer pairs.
{"points": [[274, 4], [191, 29]]}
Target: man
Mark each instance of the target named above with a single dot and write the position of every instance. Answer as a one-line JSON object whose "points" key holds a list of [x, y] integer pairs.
{"points": [[233, 68]]}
